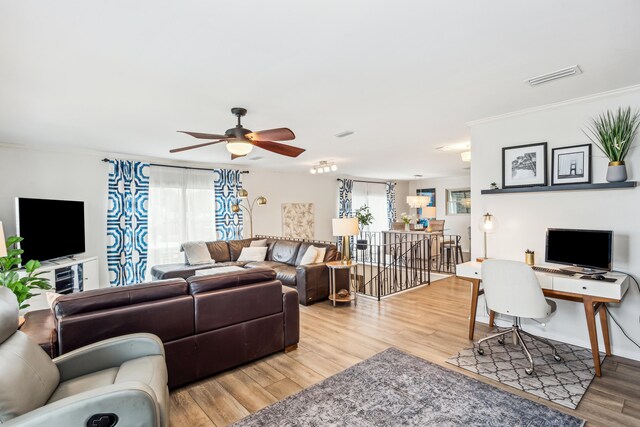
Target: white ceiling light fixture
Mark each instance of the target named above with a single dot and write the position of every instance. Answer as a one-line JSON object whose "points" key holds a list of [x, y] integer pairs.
{"points": [[459, 146], [325, 166], [239, 147], [574, 70], [466, 156]]}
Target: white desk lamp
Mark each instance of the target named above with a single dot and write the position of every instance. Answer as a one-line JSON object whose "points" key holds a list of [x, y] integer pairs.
{"points": [[3, 246], [488, 224], [345, 227]]}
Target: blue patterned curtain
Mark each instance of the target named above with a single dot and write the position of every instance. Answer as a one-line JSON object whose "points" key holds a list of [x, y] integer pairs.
{"points": [[391, 203], [127, 217], [345, 189], [228, 223]]}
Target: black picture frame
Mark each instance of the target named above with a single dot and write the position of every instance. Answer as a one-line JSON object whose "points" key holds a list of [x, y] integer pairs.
{"points": [[524, 165], [582, 151]]}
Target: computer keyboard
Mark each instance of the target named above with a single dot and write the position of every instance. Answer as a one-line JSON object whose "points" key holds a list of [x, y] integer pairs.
{"points": [[553, 271]]}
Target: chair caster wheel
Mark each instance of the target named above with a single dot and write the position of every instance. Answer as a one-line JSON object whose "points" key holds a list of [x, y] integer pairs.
{"points": [[558, 358], [529, 371], [480, 351], [500, 341]]}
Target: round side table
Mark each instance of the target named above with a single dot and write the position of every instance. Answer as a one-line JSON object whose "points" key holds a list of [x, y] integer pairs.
{"points": [[353, 295]]}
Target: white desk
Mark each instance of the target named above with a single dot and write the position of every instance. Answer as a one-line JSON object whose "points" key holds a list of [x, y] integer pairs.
{"points": [[592, 293]]}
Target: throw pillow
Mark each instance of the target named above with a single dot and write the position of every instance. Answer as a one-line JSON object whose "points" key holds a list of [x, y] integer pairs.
{"points": [[253, 254], [309, 256], [321, 253], [197, 253], [258, 243]]}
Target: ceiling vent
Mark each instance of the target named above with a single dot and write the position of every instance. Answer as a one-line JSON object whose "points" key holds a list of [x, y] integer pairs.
{"points": [[344, 133], [574, 70]]}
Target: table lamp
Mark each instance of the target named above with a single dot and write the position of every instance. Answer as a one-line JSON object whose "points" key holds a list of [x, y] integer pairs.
{"points": [[429, 213], [488, 224], [3, 246], [345, 227]]}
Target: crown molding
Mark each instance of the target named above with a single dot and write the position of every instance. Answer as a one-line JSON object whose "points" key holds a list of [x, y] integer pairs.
{"points": [[555, 105]]}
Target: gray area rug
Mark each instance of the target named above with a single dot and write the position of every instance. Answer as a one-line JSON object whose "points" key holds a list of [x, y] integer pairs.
{"points": [[561, 382], [393, 388]]}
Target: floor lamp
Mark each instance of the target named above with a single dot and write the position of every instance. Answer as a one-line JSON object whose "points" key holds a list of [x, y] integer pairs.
{"points": [[345, 228], [488, 224], [244, 194]]}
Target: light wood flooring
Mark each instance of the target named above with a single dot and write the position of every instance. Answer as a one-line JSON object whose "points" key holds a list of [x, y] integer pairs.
{"points": [[430, 322]]}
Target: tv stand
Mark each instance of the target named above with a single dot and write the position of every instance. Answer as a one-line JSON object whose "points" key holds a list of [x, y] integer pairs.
{"points": [[66, 275]]}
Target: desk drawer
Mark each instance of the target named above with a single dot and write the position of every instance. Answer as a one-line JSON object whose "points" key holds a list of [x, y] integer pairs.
{"points": [[588, 287], [470, 271]]}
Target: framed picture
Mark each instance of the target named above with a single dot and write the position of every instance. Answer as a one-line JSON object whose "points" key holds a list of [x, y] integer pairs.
{"points": [[431, 192], [571, 165], [524, 165]]}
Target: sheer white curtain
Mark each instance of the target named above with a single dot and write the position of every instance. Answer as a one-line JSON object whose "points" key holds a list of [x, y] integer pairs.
{"points": [[373, 195], [181, 209]]}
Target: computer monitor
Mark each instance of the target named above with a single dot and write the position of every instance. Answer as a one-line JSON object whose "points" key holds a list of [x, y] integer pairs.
{"points": [[587, 251]]}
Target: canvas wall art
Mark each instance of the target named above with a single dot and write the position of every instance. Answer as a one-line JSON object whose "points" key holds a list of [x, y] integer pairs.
{"points": [[298, 220]]}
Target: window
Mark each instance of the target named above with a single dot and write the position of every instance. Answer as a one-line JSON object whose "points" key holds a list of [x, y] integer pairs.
{"points": [[373, 195], [459, 201], [181, 209]]}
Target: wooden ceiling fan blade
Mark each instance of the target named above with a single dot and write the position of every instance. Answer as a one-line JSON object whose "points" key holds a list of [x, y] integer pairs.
{"points": [[191, 147], [205, 135], [235, 156], [280, 134], [279, 148]]}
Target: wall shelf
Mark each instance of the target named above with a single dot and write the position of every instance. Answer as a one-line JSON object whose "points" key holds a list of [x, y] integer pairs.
{"points": [[568, 187]]}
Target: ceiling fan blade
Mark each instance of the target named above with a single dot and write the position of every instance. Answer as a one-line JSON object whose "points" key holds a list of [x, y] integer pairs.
{"points": [[235, 156], [205, 135], [191, 147], [280, 134], [279, 148]]}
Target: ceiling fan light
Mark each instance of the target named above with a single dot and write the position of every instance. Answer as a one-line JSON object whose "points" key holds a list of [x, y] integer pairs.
{"points": [[326, 169], [334, 168], [312, 171], [320, 170], [239, 147], [466, 156]]}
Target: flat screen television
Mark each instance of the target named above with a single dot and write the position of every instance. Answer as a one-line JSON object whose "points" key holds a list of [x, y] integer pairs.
{"points": [[50, 228], [588, 251]]}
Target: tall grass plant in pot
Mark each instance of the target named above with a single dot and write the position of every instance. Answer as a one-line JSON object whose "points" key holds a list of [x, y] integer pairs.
{"points": [[613, 134]]}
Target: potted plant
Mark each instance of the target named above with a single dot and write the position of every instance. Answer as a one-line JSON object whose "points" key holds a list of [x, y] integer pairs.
{"points": [[407, 220], [23, 286], [613, 134], [365, 218]]}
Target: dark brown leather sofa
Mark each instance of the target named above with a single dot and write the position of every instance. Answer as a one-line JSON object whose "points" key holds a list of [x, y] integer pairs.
{"points": [[207, 323], [283, 256]]}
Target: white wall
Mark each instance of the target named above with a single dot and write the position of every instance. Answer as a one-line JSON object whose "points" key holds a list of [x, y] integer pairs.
{"points": [[51, 174], [279, 188], [455, 224], [524, 217]]}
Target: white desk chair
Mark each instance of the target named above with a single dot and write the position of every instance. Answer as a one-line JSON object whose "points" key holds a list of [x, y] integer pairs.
{"points": [[512, 288]]}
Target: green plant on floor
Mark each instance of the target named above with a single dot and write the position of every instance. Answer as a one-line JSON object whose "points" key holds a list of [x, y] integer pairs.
{"points": [[613, 133], [22, 287], [364, 215]]}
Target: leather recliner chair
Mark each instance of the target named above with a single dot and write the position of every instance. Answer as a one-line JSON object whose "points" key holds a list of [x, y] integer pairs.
{"points": [[119, 381]]}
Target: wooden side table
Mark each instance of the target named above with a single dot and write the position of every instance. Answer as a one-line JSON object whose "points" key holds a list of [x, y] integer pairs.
{"points": [[353, 295]]}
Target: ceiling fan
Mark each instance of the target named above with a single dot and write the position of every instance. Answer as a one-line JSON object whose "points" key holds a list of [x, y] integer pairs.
{"points": [[240, 141]]}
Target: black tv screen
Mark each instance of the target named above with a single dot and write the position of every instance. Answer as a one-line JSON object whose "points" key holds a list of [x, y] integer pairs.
{"points": [[582, 248], [50, 228]]}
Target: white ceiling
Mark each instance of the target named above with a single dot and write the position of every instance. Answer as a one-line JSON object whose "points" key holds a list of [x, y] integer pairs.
{"points": [[124, 76]]}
